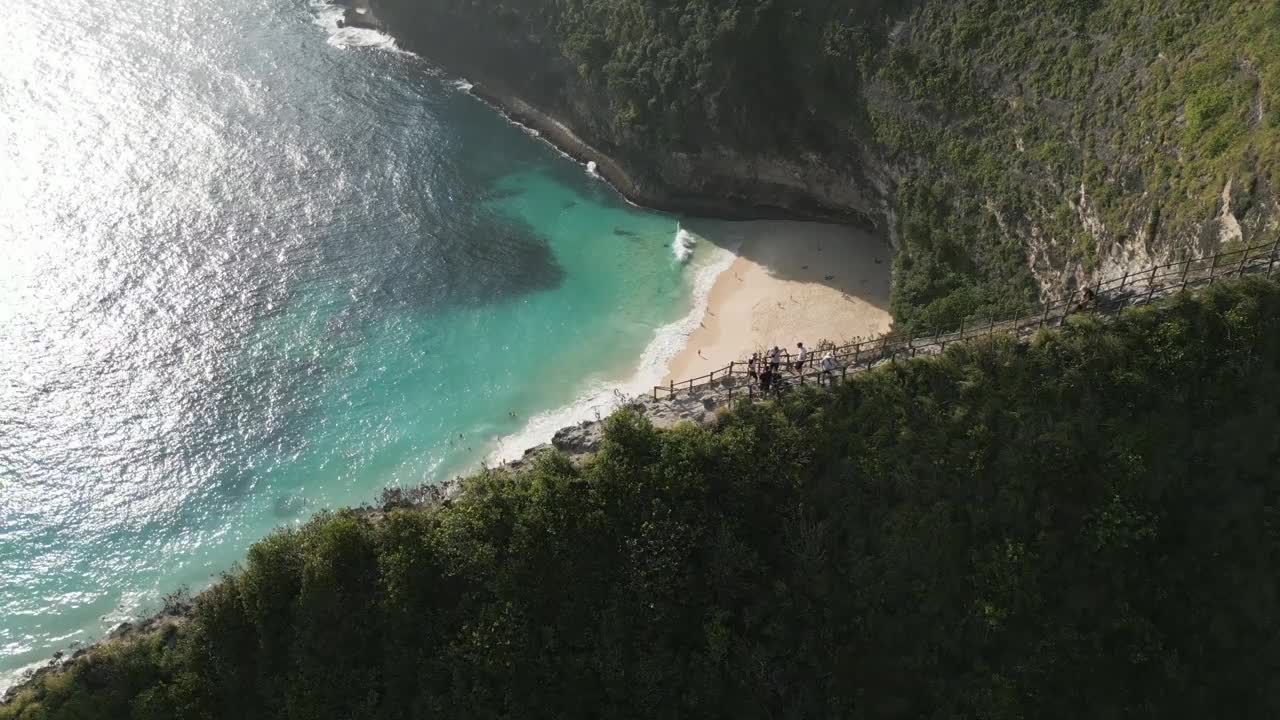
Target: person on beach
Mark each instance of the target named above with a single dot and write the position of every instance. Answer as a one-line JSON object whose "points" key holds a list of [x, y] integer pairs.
{"points": [[829, 367], [801, 357]]}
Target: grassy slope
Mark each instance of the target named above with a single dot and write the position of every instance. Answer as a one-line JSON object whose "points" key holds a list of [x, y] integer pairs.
{"points": [[1086, 526]]}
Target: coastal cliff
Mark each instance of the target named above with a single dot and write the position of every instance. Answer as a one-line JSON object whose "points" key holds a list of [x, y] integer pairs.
{"points": [[1009, 154], [1082, 524]]}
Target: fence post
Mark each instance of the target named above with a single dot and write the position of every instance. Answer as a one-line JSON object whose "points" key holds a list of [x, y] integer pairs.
{"points": [[1272, 263], [1045, 317], [1243, 260], [1213, 269], [961, 329], [1185, 272], [671, 392], [1123, 282], [1151, 284], [1066, 310]]}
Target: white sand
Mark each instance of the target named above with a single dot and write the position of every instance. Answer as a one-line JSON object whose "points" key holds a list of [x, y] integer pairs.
{"points": [[792, 282]]}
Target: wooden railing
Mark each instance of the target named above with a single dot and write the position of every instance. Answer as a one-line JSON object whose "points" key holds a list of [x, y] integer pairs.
{"points": [[1105, 298]]}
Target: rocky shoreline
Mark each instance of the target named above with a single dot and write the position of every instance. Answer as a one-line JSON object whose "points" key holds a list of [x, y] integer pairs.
{"points": [[360, 14], [713, 184], [642, 194]]}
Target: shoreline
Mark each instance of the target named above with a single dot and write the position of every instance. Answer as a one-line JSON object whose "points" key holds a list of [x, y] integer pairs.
{"points": [[790, 282], [659, 363], [870, 317], [794, 204], [519, 110], [560, 136], [755, 284], [653, 364]]}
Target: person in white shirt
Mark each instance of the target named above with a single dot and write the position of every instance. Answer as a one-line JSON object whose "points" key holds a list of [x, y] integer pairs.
{"points": [[802, 356]]}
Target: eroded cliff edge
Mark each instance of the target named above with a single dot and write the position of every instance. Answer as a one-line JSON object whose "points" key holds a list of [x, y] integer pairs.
{"points": [[1009, 154]]}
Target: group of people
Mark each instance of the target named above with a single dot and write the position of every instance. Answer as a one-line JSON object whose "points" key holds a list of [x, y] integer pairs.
{"points": [[766, 370]]}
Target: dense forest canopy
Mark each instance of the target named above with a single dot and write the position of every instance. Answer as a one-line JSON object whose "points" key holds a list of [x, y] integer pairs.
{"points": [[1083, 526]]}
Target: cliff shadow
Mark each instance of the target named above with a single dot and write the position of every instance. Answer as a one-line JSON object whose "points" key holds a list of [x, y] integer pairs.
{"points": [[855, 262]]}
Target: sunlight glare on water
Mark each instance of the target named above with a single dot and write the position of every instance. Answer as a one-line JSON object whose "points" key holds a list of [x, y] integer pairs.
{"points": [[249, 271]]}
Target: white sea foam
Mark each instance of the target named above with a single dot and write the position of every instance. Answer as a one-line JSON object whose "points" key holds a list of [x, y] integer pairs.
{"points": [[463, 85], [535, 133], [591, 168], [603, 398], [18, 675], [683, 244], [327, 16]]}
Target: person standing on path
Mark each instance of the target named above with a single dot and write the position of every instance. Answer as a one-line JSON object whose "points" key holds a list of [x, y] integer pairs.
{"points": [[775, 358], [752, 367], [800, 357], [829, 368]]}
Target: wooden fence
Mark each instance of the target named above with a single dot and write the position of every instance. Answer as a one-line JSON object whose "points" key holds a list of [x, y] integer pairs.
{"points": [[1104, 298]]}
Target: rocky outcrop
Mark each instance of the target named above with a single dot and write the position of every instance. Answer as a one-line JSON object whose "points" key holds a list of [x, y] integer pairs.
{"points": [[699, 406], [359, 14]]}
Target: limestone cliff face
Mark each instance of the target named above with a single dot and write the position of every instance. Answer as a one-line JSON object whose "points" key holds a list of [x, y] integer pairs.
{"points": [[1135, 247], [1009, 154]]}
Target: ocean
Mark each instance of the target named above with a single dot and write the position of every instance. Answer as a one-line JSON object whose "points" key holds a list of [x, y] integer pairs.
{"points": [[253, 266]]}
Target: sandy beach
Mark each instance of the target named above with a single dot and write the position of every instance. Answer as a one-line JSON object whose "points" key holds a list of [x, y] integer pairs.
{"points": [[791, 282]]}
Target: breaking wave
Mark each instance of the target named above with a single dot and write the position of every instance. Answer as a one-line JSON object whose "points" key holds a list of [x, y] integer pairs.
{"points": [[682, 246], [329, 16]]}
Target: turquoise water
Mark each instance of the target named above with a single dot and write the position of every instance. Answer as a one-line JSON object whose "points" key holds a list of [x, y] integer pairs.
{"points": [[253, 270]]}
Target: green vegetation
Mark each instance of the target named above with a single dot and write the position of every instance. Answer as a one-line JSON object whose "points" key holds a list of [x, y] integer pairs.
{"points": [[1084, 526], [993, 119], [1150, 106]]}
